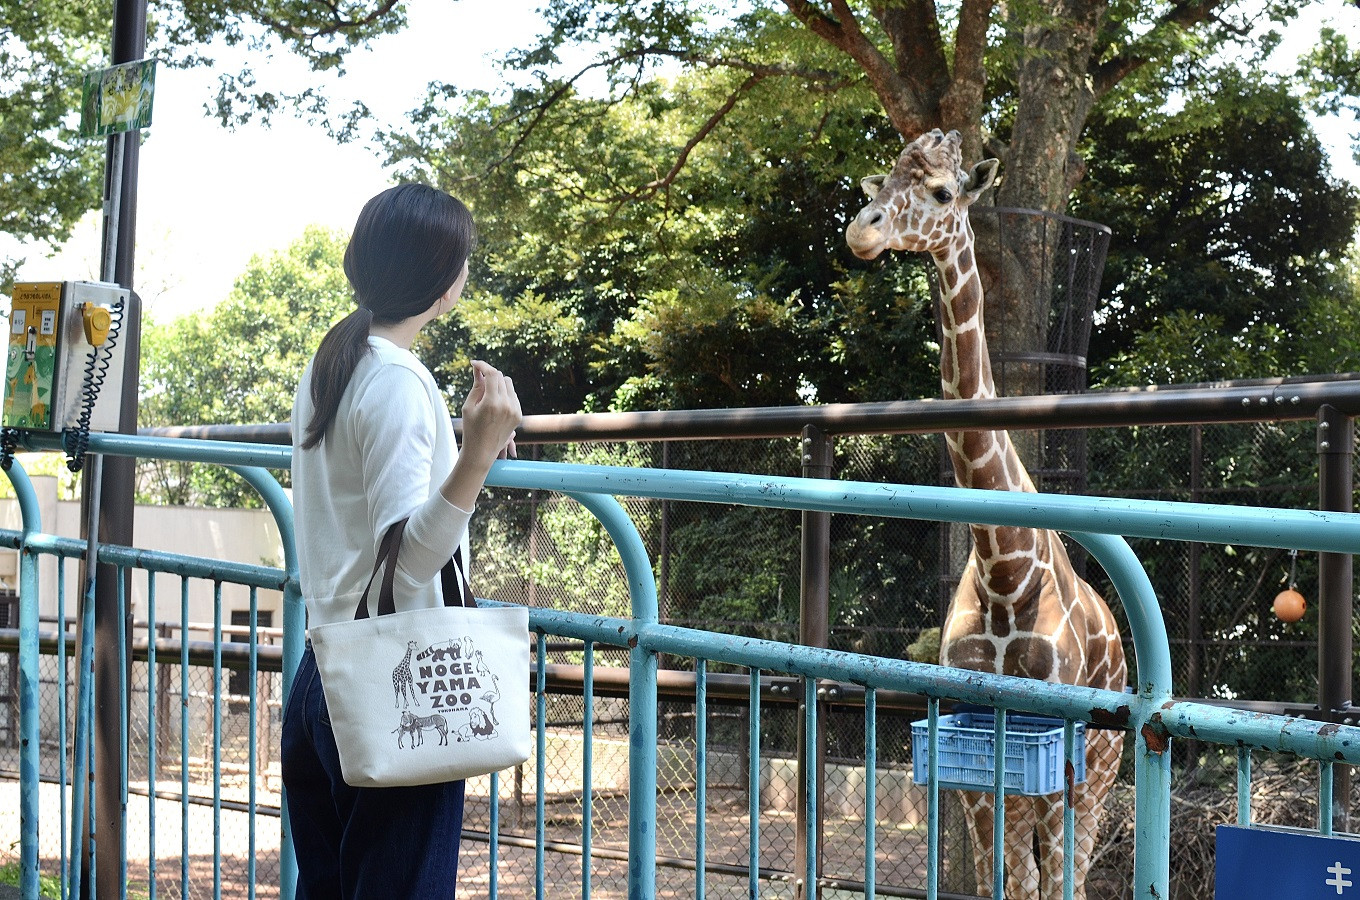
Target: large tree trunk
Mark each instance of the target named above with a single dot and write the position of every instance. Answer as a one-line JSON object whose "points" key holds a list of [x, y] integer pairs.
{"points": [[1054, 98]]}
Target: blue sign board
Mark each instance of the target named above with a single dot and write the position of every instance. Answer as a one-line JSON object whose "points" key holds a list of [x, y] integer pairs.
{"points": [[1269, 862]]}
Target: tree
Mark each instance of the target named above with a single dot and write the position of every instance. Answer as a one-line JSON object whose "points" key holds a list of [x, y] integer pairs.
{"points": [[1019, 81], [1239, 222], [240, 363], [51, 175], [736, 291]]}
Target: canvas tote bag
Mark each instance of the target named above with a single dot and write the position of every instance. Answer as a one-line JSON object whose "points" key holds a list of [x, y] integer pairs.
{"points": [[426, 695]]}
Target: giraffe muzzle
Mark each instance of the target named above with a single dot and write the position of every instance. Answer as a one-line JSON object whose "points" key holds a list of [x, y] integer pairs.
{"points": [[864, 235]]}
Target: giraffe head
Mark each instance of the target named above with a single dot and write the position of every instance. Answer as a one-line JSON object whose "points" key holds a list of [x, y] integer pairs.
{"points": [[923, 203]]}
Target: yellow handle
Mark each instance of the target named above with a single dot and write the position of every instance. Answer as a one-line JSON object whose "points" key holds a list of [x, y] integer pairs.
{"points": [[96, 320]]}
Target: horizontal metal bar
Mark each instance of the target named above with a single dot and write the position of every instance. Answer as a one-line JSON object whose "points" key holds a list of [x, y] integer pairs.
{"points": [[1159, 519], [1239, 728], [1280, 399], [158, 561]]}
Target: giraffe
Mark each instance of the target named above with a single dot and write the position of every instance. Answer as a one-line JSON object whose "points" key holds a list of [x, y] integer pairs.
{"points": [[403, 685], [1020, 608]]}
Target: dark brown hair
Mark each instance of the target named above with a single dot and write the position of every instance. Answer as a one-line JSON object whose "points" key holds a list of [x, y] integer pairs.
{"points": [[408, 248]]}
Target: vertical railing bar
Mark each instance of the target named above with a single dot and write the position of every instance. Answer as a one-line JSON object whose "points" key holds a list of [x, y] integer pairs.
{"points": [[1325, 775], [28, 687], [933, 798], [1069, 808], [1244, 785], [999, 807], [540, 813], [217, 740], [870, 792], [700, 775], [184, 735], [124, 717], [494, 841], [809, 872], [152, 735], [63, 775], [252, 760], [82, 803], [753, 788], [588, 769]]}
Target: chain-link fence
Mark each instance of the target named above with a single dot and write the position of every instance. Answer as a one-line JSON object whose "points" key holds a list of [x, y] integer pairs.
{"points": [[737, 569]]}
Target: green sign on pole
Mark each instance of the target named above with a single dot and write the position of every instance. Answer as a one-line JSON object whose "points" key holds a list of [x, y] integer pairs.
{"points": [[117, 98]]}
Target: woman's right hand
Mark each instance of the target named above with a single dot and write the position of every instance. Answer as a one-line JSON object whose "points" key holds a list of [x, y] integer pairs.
{"points": [[491, 414]]}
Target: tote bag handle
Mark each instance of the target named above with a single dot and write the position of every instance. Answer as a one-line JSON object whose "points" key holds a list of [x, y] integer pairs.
{"points": [[454, 579]]}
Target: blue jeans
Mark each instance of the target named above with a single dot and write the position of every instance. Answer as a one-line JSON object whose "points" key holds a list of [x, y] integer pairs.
{"points": [[361, 843]]}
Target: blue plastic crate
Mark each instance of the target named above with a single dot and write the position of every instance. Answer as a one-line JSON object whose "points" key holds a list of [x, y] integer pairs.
{"points": [[1034, 753]]}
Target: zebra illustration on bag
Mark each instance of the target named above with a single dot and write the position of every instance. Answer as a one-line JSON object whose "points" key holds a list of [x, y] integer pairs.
{"points": [[415, 726]]}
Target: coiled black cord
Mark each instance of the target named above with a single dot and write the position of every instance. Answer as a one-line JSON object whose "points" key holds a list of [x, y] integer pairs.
{"points": [[9, 442], [77, 440]]}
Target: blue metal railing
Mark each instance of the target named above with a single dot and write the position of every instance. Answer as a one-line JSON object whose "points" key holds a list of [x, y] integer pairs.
{"points": [[1099, 525]]}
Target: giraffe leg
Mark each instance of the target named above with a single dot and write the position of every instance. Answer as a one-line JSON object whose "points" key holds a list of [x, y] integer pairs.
{"points": [[1022, 870], [977, 812], [1050, 830], [1102, 766], [1103, 752]]}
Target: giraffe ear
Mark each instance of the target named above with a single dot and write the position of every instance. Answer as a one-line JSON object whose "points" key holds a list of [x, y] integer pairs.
{"points": [[981, 178], [871, 185]]}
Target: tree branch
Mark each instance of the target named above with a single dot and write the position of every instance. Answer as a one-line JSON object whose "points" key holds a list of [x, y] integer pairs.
{"points": [[704, 131], [1184, 14], [337, 21], [904, 107], [829, 81]]}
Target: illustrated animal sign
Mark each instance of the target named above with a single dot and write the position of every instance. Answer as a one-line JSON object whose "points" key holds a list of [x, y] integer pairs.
{"points": [[451, 680]]}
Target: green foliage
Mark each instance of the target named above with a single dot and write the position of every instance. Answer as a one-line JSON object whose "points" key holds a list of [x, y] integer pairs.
{"points": [[240, 363], [556, 545], [49, 886], [653, 271], [1330, 73], [51, 175], [1239, 223]]}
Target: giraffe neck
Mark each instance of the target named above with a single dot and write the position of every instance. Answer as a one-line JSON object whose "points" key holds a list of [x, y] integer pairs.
{"points": [[1009, 558]]}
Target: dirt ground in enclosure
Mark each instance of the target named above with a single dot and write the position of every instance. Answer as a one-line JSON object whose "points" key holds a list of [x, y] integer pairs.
{"points": [[727, 844]]}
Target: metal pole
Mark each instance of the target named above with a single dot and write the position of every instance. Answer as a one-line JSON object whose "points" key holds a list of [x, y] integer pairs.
{"points": [[813, 631], [116, 488], [1336, 590], [1194, 628]]}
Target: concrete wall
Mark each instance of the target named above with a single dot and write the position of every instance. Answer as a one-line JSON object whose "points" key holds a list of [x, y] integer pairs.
{"points": [[238, 535]]}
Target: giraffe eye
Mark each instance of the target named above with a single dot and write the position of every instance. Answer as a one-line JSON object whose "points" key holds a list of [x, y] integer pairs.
{"points": [[943, 195]]}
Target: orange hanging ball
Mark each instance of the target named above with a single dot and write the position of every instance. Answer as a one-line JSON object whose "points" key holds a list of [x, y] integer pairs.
{"points": [[1289, 605]]}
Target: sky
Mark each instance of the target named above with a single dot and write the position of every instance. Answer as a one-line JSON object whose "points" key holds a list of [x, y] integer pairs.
{"points": [[210, 199]]}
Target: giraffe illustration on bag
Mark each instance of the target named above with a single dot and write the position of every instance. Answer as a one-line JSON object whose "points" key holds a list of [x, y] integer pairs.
{"points": [[415, 726], [403, 685]]}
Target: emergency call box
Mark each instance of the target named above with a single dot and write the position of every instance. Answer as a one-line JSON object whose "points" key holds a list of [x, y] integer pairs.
{"points": [[63, 365]]}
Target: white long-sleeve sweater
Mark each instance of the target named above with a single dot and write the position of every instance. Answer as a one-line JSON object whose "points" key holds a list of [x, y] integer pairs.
{"points": [[385, 457]]}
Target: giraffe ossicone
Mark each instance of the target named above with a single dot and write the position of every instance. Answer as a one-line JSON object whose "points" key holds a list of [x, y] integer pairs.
{"points": [[1020, 608]]}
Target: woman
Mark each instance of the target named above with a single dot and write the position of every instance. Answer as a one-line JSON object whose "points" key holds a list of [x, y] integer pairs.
{"points": [[372, 444]]}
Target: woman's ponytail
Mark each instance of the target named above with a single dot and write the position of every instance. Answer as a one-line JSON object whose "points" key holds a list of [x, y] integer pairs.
{"points": [[341, 349]]}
